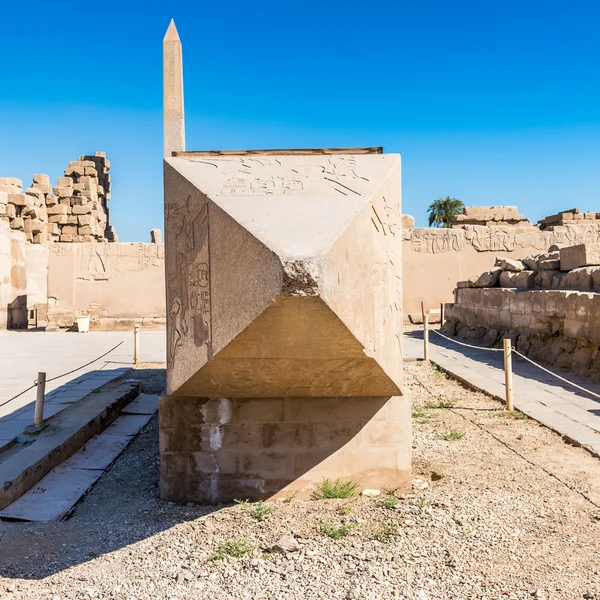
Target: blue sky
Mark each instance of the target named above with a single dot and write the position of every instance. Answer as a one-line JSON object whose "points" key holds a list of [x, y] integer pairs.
{"points": [[490, 102]]}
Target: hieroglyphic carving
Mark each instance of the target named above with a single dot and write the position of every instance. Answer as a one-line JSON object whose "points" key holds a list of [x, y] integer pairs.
{"points": [[188, 275], [100, 261], [266, 176], [498, 239]]}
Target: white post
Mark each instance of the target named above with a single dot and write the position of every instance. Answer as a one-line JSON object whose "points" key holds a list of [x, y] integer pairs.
{"points": [[38, 418], [426, 337], [136, 345], [508, 384]]}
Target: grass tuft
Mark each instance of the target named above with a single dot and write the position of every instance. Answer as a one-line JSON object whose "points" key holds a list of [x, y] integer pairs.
{"points": [[515, 414], [453, 434], [386, 535], [336, 533], [389, 501], [291, 498], [335, 489], [421, 416], [234, 549], [441, 404], [258, 510]]}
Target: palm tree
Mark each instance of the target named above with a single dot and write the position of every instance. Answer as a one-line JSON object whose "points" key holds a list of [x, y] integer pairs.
{"points": [[442, 210]]}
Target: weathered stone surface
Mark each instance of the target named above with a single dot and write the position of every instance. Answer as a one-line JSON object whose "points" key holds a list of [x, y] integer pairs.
{"points": [[489, 278], [155, 236], [293, 301], [582, 255], [509, 264], [522, 280], [286, 543]]}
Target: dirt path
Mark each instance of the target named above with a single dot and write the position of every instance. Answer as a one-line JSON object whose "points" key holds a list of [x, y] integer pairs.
{"points": [[509, 511]]}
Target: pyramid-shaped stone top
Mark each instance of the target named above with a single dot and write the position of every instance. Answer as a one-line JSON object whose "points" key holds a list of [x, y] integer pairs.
{"points": [[296, 205], [283, 274]]}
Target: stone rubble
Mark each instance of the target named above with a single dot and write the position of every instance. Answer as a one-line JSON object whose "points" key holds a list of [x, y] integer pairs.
{"points": [[75, 210], [568, 268], [490, 216]]}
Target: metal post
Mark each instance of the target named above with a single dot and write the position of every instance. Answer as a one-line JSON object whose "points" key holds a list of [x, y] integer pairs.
{"points": [[38, 418], [136, 345], [508, 383], [441, 314], [426, 337]]}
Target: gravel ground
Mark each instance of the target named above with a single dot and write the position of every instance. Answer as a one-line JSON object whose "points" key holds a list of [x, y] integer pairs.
{"points": [[506, 509]]}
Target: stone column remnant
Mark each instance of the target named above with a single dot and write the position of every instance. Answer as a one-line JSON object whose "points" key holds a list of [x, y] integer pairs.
{"points": [[283, 325], [174, 127]]}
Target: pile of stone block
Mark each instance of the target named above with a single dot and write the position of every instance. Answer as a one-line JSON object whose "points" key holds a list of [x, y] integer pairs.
{"points": [[79, 205], [76, 210], [26, 211], [573, 216], [570, 268], [490, 216]]}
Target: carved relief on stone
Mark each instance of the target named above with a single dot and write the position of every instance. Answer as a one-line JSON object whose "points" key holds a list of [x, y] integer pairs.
{"points": [[188, 272], [246, 176]]}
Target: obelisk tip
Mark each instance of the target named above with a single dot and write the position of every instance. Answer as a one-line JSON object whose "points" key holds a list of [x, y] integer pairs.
{"points": [[172, 35]]}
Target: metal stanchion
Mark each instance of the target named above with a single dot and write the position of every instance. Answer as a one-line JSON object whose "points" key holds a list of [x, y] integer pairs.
{"points": [[425, 338]]}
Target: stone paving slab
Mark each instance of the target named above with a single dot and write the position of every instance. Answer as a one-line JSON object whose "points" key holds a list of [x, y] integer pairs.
{"points": [[56, 494], [560, 407], [24, 353]]}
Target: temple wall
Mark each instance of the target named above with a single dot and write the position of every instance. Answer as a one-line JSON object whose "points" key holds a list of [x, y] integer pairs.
{"points": [[559, 327], [115, 284], [434, 260]]}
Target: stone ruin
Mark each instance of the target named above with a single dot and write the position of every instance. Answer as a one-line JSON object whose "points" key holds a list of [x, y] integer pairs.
{"points": [[284, 361], [76, 210], [548, 303], [490, 216], [573, 216]]}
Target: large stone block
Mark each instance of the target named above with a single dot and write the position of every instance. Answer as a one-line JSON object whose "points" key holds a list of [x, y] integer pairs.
{"points": [[283, 317], [581, 255]]}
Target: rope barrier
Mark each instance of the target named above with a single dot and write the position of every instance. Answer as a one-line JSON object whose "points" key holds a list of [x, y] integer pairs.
{"points": [[68, 372], [466, 345], [555, 375]]}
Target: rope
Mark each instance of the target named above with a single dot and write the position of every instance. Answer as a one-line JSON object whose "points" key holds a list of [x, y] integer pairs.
{"points": [[555, 375], [67, 373], [466, 345], [20, 394], [507, 446]]}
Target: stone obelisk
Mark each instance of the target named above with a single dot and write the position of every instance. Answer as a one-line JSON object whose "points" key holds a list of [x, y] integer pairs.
{"points": [[174, 127]]}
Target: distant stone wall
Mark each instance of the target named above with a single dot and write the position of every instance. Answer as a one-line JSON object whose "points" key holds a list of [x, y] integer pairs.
{"points": [[76, 210], [13, 278], [558, 327], [434, 260], [115, 284]]}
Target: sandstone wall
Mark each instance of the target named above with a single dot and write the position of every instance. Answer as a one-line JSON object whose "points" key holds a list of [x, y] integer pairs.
{"points": [[434, 260], [115, 284], [76, 210], [559, 327], [13, 278]]}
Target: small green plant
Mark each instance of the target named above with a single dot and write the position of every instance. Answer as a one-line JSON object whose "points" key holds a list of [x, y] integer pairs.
{"points": [[336, 533], [418, 502], [441, 404], [515, 414], [291, 498], [344, 509], [386, 535], [335, 489], [389, 501], [258, 510], [453, 434], [421, 416], [235, 549]]}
